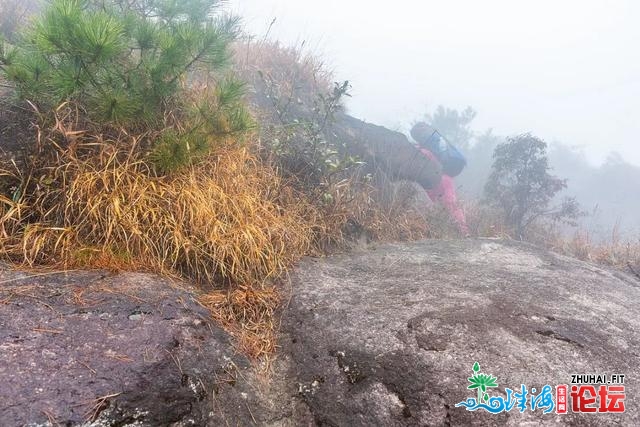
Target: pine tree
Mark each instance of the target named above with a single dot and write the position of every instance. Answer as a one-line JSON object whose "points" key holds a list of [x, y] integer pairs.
{"points": [[126, 61]]}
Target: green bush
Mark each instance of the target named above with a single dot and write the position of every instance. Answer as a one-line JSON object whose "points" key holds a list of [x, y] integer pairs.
{"points": [[123, 61], [522, 187], [154, 67]]}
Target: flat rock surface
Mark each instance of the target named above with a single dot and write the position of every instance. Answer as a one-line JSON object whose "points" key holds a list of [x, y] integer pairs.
{"points": [[385, 336], [90, 348], [389, 336]]}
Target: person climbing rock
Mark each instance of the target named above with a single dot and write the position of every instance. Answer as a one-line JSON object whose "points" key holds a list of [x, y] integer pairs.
{"points": [[435, 147]]}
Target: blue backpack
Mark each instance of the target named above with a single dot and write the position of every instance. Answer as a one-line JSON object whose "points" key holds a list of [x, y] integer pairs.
{"points": [[451, 159]]}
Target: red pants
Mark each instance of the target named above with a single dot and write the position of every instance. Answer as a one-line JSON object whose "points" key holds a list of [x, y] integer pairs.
{"points": [[445, 193]]}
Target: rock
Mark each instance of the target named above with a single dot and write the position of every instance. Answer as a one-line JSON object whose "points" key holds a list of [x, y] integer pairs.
{"points": [[380, 148], [114, 350], [385, 149], [388, 337], [381, 337]]}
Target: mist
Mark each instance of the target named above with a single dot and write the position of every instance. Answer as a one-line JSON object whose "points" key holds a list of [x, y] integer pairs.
{"points": [[562, 70], [567, 72]]}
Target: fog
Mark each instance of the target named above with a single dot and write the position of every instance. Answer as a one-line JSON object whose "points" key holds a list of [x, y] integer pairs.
{"points": [[564, 70], [567, 71]]}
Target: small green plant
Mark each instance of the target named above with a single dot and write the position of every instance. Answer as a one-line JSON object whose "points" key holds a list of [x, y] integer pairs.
{"points": [[301, 146], [481, 382]]}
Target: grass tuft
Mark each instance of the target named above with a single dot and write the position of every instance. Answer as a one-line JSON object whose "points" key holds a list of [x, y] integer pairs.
{"points": [[249, 314], [227, 218]]}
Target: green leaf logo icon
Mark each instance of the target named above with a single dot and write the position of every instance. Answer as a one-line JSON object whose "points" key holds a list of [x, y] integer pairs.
{"points": [[481, 382]]}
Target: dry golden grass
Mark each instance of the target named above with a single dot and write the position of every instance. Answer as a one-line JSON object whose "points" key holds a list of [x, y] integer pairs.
{"points": [[615, 252], [226, 218], [89, 199], [249, 314], [623, 254], [288, 75], [217, 219], [358, 210], [397, 218], [484, 221]]}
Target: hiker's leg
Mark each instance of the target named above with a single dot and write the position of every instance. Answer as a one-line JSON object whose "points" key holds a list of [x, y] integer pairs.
{"points": [[450, 202]]}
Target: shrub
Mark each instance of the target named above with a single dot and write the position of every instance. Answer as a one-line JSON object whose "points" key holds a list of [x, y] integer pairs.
{"points": [[297, 105], [125, 64], [521, 186]]}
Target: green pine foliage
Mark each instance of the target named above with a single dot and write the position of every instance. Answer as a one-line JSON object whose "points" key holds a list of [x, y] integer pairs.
{"points": [[126, 63]]}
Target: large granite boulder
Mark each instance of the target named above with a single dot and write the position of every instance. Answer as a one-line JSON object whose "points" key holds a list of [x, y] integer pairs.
{"points": [[388, 337], [385, 150]]}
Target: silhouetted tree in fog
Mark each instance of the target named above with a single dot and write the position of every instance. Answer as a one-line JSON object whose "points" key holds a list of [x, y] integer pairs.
{"points": [[453, 124], [521, 186]]}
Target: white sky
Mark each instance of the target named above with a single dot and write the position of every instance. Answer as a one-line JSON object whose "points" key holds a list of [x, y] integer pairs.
{"points": [[566, 70]]}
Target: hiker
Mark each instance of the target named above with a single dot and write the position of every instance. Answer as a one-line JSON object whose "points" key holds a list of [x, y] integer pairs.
{"points": [[438, 149]]}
